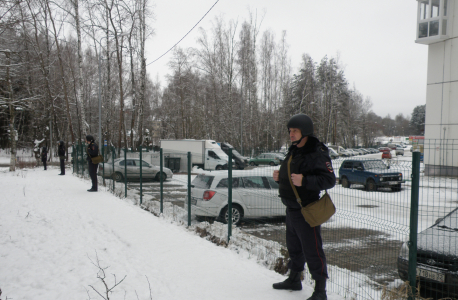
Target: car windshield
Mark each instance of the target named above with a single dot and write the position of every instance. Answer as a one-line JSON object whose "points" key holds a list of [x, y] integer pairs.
{"points": [[203, 181], [449, 222], [374, 164]]}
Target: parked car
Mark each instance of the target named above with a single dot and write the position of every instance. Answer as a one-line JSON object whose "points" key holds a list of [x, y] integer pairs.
{"points": [[353, 152], [333, 154], [399, 151], [265, 159], [240, 161], [437, 257], [366, 151], [254, 195], [133, 170], [373, 150], [381, 149], [359, 151], [386, 154], [280, 156], [371, 173]]}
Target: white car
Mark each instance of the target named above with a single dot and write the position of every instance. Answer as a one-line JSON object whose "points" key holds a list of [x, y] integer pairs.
{"points": [[133, 170], [254, 195]]}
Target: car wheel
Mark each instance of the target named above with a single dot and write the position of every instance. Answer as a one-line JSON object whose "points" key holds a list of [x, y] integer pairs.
{"points": [[345, 182], [396, 188], [218, 167], [370, 185], [272, 163], [158, 176], [118, 177], [237, 214], [252, 164]]}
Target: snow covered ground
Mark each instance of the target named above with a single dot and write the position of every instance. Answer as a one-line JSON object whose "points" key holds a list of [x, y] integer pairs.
{"points": [[56, 238]]}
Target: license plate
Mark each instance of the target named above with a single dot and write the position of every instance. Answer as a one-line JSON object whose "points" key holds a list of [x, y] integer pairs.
{"points": [[394, 182], [431, 275], [193, 201]]}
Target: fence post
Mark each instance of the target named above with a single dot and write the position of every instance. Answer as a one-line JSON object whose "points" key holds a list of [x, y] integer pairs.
{"points": [[161, 164], [412, 244], [229, 197], [189, 188], [141, 165], [125, 172]]}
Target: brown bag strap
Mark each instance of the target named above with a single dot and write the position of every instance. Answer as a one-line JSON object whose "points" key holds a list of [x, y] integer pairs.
{"points": [[291, 181]]}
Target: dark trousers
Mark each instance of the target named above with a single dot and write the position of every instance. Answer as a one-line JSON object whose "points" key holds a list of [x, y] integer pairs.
{"points": [[62, 166], [44, 163], [305, 245], [93, 174]]}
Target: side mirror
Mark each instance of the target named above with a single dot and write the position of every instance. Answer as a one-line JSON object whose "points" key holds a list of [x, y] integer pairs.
{"points": [[388, 167]]}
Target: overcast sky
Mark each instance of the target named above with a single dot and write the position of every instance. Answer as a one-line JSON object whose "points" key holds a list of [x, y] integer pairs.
{"points": [[374, 40]]}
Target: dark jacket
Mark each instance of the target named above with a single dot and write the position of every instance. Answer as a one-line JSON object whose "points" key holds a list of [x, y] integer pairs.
{"points": [[44, 154], [61, 149], [92, 151], [314, 163]]}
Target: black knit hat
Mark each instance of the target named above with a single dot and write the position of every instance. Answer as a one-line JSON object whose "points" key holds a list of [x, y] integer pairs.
{"points": [[89, 138]]}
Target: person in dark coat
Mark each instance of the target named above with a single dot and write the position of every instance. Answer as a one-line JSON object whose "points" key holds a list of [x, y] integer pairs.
{"points": [[44, 156], [311, 172], [92, 151], [61, 153]]}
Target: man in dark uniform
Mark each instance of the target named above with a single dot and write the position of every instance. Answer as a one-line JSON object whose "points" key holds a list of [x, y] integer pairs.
{"points": [[44, 156], [61, 153], [311, 172], [92, 151]]}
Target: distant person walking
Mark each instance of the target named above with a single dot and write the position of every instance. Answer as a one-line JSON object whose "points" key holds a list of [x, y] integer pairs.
{"points": [[92, 150], [44, 156], [61, 153]]}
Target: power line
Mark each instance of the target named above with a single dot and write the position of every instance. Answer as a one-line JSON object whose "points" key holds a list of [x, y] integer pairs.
{"points": [[184, 35]]}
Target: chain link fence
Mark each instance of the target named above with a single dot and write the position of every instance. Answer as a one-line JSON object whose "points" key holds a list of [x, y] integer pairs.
{"points": [[395, 219]]}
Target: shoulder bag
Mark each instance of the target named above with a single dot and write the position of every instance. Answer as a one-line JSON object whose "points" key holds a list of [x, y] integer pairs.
{"points": [[95, 160], [317, 212]]}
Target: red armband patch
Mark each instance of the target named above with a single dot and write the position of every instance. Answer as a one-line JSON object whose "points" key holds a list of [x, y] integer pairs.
{"points": [[329, 166]]}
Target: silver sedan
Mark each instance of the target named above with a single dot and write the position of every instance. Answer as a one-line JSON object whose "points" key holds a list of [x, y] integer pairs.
{"points": [[131, 167]]}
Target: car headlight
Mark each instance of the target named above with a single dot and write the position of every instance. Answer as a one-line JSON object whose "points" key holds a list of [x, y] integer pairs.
{"points": [[381, 178], [404, 251]]}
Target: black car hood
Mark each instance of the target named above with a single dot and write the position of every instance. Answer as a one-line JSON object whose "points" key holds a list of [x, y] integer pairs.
{"points": [[441, 238], [442, 241]]}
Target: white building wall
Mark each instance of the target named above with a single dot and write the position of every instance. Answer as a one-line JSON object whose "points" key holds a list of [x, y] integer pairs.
{"points": [[441, 128]]}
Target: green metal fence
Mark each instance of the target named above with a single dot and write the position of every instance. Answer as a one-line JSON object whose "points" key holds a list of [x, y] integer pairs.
{"points": [[383, 234]]}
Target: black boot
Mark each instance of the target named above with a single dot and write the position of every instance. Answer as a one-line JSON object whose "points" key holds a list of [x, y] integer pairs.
{"points": [[293, 282], [320, 290]]}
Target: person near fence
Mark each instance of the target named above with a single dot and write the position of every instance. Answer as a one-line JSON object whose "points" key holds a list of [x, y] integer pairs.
{"points": [[92, 150], [311, 172], [61, 153], [44, 156]]}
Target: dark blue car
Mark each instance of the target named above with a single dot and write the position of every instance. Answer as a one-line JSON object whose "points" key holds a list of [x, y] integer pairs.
{"points": [[372, 174]]}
